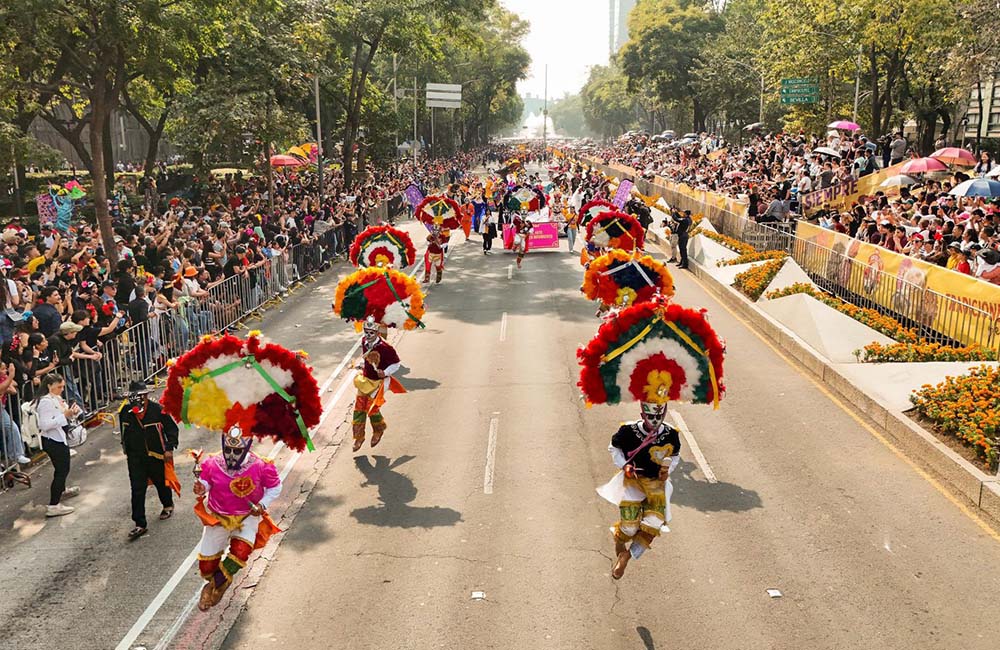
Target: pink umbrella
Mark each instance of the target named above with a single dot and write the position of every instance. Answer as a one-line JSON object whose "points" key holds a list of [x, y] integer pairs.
{"points": [[284, 160], [734, 174], [921, 165], [955, 156], [843, 125]]}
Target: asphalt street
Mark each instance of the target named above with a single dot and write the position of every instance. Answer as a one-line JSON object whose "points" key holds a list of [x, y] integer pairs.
{"points": [[416, 544], [475, 522]]}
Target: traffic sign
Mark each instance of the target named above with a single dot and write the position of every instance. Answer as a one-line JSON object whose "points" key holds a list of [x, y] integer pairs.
{"points": [[800, 90], [799, 99], [444, 95], [799, 81]]}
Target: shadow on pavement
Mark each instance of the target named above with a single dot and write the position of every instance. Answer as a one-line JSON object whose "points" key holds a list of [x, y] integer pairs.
{"points": [[415, 383], [711, 497], [647, 638], [395, 491]]}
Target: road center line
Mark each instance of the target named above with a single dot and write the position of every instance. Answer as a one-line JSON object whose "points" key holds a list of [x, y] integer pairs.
{"points": [[503, 327], [510, 271], [491, 453], [692, 444]]}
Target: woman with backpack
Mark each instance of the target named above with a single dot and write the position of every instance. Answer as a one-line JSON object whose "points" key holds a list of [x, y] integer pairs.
{"points": [[54, 416]]}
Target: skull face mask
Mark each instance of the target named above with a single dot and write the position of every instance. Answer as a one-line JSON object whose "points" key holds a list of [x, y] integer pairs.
{"points": [[653, 415], [370, 331], [235, 448]]}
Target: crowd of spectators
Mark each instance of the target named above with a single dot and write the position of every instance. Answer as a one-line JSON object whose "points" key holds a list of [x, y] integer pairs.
{"points": [[65, 306], [769, 174]]}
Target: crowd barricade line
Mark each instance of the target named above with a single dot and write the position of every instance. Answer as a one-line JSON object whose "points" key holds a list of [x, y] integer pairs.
{"points": [[936, 316]]}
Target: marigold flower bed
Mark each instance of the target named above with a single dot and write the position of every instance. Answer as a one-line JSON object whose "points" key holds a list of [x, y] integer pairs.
{"points": [[873, 319], [967, 407], [727, 241], [753, 281], [747, 258], [923, 351]]}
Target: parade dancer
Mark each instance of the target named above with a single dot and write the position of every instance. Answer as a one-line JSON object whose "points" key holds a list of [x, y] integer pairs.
{"points": [[522, 229], [646, 451], [437, 244], [378, 363], [234, 490], [654, 353]]}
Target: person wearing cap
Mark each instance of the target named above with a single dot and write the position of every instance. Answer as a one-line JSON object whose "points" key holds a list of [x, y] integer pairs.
{"points": [[149, 438]]}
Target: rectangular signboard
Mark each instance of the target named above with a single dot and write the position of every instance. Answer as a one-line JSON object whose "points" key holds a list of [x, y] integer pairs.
{"points": [[448, 88], [800, 99], [442, 103], [799, 81], [453, 97], [800, 90]]}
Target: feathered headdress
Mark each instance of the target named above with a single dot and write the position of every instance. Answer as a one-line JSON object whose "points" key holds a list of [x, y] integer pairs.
{"points": [[616, 230], [439, 211], [264, 388], [526, 199], [653, 352], [391, 297], [383, 246], [591, 209], [621, 279]]}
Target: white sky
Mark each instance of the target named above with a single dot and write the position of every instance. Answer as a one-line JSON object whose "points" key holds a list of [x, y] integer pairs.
{"points": [[569, 35]]}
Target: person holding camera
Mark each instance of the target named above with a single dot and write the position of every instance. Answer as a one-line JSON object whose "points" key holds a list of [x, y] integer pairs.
{"points": [[54, 416]]}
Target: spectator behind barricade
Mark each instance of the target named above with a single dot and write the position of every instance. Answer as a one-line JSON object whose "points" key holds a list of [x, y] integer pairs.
{"points": [[10, 299], [48, 312], [11, 446]]}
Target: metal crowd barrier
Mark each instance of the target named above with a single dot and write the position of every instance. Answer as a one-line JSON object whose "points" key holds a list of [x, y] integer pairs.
{"points": [[935, 316]]}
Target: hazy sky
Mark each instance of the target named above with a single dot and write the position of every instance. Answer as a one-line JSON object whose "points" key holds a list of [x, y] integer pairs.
{"points": [[569, 35]]}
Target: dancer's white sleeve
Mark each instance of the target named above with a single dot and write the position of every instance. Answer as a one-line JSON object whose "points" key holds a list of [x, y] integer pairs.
{"points": [[617, 456], [270, 494]]}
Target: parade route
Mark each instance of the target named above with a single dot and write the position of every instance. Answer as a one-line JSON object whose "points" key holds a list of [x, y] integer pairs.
{"points": [[405, 547]]}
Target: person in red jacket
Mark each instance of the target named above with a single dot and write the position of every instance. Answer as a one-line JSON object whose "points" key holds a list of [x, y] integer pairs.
{"points": [[378, 362]]}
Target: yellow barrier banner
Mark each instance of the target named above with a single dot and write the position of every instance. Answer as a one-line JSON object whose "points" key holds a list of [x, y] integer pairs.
{"points": [[715, 155], [843, 195], [902, 282]]}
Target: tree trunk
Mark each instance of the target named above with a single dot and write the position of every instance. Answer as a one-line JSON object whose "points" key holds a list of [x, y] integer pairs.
{"points": [[699, 115], [109, 156], [154, 144], [100, 114]]}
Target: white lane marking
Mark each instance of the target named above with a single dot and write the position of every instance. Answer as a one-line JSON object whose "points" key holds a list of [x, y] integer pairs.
{"points": [[689, 440], [147, 615], [491, 453], [503, 327], [510, 271]]}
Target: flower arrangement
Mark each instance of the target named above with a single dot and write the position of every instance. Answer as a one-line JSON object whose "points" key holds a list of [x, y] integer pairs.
{"points": [[391, 297], [967, 407], [870, 317], [264, 388], [383, 246], [729, 242], [748, 258], [754, 280], [653, 352], [923, 351], [619, 279], [591, 209], [439, 211]]}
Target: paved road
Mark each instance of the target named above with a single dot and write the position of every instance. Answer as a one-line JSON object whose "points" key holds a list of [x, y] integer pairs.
{"points": [[75, 582], [392, 543]]}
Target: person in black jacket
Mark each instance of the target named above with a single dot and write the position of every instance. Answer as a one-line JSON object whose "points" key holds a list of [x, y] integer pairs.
{"points": [[149, 438]]}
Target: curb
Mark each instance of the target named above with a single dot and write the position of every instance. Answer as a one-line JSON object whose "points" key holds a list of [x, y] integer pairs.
{"points": [[962, 477]]}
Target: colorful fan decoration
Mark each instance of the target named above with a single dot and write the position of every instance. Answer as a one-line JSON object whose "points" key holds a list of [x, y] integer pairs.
{"points": [[264, 388], [653, 352], [616, 230], [439, 211], [593, 208], [391, 297], [383, 247], [526, 199], [621, 279]]}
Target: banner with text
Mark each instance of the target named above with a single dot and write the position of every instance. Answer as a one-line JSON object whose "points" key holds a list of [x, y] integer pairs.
{"points": [[843, 195]]}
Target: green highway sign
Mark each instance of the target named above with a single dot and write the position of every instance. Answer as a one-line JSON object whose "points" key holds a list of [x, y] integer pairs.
{"points": [[800, 90], [800, 99], [809, 81]]}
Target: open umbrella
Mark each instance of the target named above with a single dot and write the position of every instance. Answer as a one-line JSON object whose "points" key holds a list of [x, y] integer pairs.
{"points": [[827, 151], [734, 174], [984, 187], [994, 173], [843, 125], [284, 160], [690, 135], [921, 165], [955, 156], [753, 127], [898, 181]]}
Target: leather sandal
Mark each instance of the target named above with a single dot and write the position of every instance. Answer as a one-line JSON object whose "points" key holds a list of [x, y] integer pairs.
{"points": [[167, 513], [136, 533]]}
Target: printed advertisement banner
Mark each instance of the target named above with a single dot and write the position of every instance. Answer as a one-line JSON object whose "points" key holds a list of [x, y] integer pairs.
{"points": [[843, 195], [906, 285]]}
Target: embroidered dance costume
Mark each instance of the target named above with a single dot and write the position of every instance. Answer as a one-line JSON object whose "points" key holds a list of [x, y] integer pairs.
{"points": [[380, 362]]}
